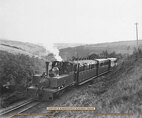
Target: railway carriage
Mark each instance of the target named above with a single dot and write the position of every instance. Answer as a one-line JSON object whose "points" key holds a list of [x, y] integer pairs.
{"points": [[113, 62], [87, 70], [104, 66], [65, 74]]}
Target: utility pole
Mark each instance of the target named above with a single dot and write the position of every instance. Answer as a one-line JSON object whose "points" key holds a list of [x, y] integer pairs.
{"points": [[137, 33]]}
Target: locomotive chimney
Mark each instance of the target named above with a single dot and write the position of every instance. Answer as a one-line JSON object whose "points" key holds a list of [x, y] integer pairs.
{"points": [[47, 69]]}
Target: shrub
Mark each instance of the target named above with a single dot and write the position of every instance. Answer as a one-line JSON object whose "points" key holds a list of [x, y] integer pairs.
{"points": [[18, 69]]}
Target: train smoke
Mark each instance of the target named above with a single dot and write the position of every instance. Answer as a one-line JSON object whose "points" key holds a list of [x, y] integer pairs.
{"points": [[51, 49]]}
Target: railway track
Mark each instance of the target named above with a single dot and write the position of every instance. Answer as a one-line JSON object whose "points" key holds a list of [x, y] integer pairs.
{"points": [[21, 108]]}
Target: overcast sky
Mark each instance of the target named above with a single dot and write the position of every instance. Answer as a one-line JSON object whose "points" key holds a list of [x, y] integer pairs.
{"points": [[70, 21]]}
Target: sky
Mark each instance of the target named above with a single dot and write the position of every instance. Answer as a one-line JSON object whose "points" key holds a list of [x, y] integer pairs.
{"points": [[70, 21]]}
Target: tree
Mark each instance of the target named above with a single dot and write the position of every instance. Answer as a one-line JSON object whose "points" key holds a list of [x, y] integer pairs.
{"points": [[93, 56], [17, 69]]}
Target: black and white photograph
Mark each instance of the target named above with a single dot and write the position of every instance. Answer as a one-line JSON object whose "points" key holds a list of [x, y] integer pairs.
{"points": [[70, 59]]}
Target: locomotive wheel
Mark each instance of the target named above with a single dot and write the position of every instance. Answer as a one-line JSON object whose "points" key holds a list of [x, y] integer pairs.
{"points": [[39, 94], [59, 93]]}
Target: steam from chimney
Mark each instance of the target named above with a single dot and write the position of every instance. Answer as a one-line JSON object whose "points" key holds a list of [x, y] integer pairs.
{"points": [[50, 48]]}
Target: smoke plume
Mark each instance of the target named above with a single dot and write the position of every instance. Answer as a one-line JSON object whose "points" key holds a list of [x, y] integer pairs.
{"points": [[51, 49]]}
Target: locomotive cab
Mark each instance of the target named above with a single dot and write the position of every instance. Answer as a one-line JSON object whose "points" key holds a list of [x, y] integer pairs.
{"points": [[63, 75]]}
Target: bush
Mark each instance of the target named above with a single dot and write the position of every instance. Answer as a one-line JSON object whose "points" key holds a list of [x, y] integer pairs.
{"points": [[18, 69]]}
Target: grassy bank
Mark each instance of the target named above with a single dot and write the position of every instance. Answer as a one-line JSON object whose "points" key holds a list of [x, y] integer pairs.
{"points": [[118, 92], [18, 70]]}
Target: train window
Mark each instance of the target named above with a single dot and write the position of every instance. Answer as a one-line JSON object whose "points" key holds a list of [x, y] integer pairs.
{"points": [[90, 66], [65, 68], [75, 67], [83, 67], [93, 65], [72, 67], [107, 63], [101, 64], [104, 63], [115, 61]]}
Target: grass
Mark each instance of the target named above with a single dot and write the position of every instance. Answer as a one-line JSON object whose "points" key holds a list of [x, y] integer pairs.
{"points": [[118, 92]]}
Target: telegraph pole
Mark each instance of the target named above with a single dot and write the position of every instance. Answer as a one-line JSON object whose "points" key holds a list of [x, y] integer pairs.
{"points": [[137, 33]]}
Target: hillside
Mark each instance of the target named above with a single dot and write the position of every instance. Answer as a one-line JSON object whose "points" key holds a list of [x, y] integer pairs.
{"points": [[68, 50], [118, 92], [18, 63], [123, 47], [66, 45], [16, 47]]}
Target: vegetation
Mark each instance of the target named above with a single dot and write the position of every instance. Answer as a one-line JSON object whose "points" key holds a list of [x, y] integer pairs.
{"points": [[118, 92], [16, 47], [103, 54], [122, 47], [18, 69]]}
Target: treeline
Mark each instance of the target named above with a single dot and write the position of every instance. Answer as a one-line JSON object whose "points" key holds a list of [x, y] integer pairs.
{"points": [[18, 69], [103, 54]]}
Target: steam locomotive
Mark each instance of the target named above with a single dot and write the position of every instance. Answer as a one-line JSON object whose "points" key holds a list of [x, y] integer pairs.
{"points": [[59, 75]]}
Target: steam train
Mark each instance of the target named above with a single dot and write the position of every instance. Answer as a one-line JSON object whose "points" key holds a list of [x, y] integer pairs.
{"points": [[60, 75]]}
